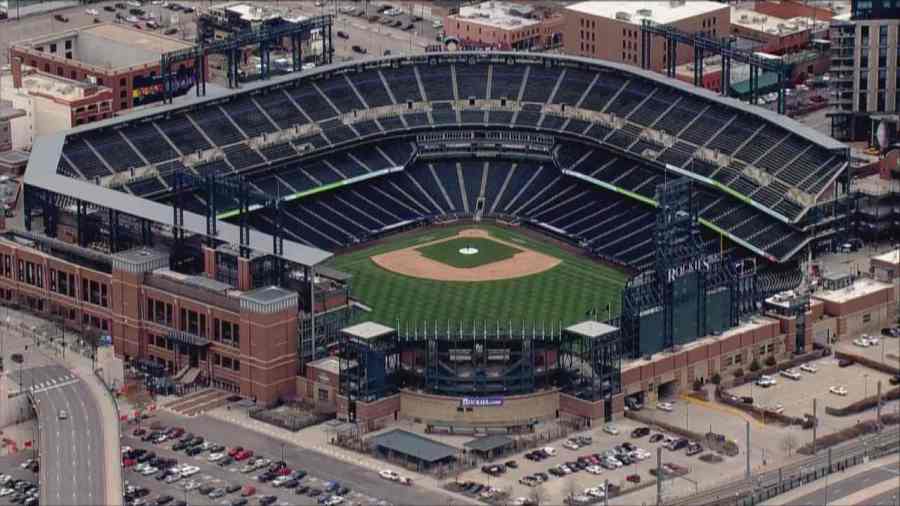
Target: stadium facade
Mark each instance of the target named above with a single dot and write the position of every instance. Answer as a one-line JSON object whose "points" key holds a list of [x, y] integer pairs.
{"points": [[194, 235]]}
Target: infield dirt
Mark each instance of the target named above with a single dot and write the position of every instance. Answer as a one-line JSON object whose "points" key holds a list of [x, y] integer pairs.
{"points": [[410, 262]]}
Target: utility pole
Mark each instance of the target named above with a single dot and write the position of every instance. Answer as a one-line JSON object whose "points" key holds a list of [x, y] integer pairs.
{"points": [[878, 406], [815, 425], [659, 476], [748, 450]]}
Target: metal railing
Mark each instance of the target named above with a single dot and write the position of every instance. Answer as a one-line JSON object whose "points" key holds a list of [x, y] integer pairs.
{"points": [[765, 485]]}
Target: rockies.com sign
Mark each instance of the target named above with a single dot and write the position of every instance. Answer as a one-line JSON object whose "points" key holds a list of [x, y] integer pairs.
{"points": [[481, 402]]}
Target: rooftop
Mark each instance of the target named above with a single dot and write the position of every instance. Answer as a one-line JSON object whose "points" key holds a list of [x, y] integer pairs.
{"points": [[268, 294], [367, 330], [251, 12], [489, 443], [327, 364], [663, 12], [413, 445], [591, 328], [775, 26], [112, 45], [859, 288], [506, 15], [59, 87]]}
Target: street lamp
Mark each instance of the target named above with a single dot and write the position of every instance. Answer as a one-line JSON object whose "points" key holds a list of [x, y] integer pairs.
{"points": [[866, 376]]}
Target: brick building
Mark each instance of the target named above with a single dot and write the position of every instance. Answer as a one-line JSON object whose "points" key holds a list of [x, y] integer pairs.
{"points": [[505, 25], [611, 30], [777, 35], [121, 58]]}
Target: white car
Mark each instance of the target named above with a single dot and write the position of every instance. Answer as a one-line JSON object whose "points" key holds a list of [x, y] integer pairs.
{"points": [[189, 471], [809, 368], [594, 469], [389, 475], [594, 492], [6, 491], [147, 471], [215, 457], [611, 429], [778, 408], [664, 406], [842, 391], [333, 500], [28, 462], [862, 343], [91, 12], [791, 373], [134, 3], [280, 481], [132, 19], [640, 454], [519, 501], [549, 450], [766, 381], [571, 445], [873, 340], [191, 485]]}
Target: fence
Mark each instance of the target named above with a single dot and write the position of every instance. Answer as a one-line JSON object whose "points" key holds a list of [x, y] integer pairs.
{"points": [[115, 404], [289, 421], [763, 486]]}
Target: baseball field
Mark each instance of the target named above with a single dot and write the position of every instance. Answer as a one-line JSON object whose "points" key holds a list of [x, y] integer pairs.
{"points": [[478, 273]]}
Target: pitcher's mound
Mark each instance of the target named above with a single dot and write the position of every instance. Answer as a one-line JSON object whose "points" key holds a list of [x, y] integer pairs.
{"points": [[412, 262]]}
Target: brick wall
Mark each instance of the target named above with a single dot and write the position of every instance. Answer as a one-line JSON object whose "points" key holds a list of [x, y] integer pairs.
{"points": [[427, 407]]}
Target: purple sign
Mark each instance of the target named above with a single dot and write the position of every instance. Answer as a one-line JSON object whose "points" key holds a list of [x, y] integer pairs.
{"points": [[480, 402]]}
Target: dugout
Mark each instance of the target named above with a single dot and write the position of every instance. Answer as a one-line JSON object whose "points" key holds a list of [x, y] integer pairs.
{"points": [[412, 448]]}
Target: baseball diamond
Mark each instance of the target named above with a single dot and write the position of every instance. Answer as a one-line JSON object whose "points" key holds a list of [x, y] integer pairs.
{"points": [[544, 282]]}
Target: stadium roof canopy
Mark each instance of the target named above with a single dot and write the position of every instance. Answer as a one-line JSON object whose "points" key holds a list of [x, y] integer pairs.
{"points": [[414, 446], [41, 172]]}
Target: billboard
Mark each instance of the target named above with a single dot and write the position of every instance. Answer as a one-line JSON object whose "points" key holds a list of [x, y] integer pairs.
{"points": [[150, 89], [481, 402]]}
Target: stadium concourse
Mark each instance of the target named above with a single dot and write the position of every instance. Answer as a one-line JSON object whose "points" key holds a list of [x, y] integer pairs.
{"points": [[217, 214]]}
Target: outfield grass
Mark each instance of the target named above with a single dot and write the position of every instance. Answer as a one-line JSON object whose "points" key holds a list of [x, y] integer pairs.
{"points": [[447, 252], [564, 293]]}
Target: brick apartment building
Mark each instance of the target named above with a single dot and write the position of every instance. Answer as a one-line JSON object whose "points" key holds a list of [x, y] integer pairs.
{"points": [[611, 30], [121, 58], [505, 25]]}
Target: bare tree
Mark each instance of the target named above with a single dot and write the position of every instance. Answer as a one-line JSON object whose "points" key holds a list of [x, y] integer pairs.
{"points": [[538, 495], [788, 443]]}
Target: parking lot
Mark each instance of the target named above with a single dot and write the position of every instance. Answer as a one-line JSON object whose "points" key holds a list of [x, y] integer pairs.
{"points": [[886, 351], [556, 488], [195, 486], [11, 467]]}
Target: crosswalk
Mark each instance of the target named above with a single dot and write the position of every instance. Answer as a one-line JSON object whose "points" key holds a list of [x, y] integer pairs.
{"points": [[53, 383]]}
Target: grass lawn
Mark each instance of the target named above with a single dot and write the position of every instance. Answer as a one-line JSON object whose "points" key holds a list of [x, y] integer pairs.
{"points": [[562, 294], [447, 252]]}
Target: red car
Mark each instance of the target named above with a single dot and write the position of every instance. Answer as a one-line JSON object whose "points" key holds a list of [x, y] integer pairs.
{"points": [[243, 455], [234, 451], [284, 471], [633, 478], [128, 462]]}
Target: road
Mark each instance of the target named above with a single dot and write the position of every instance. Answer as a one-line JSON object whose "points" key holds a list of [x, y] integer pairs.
{"points": [[71, 449], [325, 468]]}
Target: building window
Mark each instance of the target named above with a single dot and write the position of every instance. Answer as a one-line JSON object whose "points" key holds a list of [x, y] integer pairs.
{"points": [[323, 394], [52, 48], [68, 44], [867, 317]]}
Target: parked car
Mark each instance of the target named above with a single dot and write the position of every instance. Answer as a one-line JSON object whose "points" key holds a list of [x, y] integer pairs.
{"points": [[766, 381], [895, 379], [657, 438], [810, 368], [845, 362], [359, 49], [61, 18], [664, 406], [838, 390], [791, 373], [343, 35], [693, 449], [611, 429]]}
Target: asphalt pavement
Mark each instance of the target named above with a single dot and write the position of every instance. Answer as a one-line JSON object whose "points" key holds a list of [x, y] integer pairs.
{"points": [[71, 448], [319, 466], [838, 489]]}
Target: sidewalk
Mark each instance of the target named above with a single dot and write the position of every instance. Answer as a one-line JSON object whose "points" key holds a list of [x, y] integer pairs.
{"points": [[315, 438]]}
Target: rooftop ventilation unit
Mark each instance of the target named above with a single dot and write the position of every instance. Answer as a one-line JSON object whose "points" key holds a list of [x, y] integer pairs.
{"points": [[623, 16], [645, 13]]}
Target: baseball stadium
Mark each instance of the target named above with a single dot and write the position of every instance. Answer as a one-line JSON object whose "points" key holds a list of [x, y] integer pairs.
{"points": [[556, 232]]}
